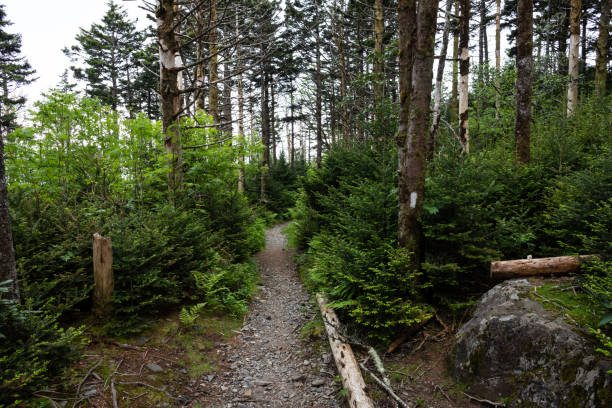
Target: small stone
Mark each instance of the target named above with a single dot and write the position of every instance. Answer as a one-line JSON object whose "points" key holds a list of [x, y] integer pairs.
{"points": [[297, 378], [154, 368], [318, 382], [262, 383], [306, 362], [183, 371], [210, 377], [141, 341], [90, 393], [247, 394]]}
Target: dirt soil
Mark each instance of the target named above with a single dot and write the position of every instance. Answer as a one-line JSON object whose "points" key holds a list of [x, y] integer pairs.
{"points": [[280, 357]]}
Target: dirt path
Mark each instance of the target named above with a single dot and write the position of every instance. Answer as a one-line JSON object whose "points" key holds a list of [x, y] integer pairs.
{"points": [[268, 365]]}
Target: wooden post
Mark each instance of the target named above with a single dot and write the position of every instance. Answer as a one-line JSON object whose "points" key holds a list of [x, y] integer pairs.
{"points": [[561, 265], [103, 274], [345, 360]]}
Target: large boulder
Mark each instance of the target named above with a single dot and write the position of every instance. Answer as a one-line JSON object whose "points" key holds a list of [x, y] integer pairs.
{"points": [[513, 350]]}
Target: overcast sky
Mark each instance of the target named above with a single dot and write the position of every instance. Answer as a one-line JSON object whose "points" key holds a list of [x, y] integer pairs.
{"points": [[47, 26]]}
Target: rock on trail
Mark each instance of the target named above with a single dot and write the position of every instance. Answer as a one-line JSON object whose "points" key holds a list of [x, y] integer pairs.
{"points": [[268, 365]]}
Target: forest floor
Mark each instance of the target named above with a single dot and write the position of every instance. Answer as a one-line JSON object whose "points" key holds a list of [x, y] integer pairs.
{"points": [[277, 356]]}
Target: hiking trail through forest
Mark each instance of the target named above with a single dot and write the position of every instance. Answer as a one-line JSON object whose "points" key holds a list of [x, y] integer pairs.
{"points": [[267, 364]]}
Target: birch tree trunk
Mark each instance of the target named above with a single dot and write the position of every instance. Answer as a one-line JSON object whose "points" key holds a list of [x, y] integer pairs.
{"points": [[572, 89], [601, 62], [170, 95], [464, 72], [524, 68], [273, 120], [200, 74], [435, 123], [8, 270], [407, 223], [227, 100]]}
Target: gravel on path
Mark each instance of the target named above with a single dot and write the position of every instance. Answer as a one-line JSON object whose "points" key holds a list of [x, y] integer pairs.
{"points": [[268, 365]]}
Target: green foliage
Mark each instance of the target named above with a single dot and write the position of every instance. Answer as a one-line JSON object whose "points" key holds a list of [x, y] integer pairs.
{"points": [[33, 348], [189, 314], [597, 282], [80, 169], [282, 183]]}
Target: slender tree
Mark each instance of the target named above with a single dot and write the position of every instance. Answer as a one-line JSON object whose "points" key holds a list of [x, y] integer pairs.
{"points": [[497, 56], [378, 51], [524, 68], [573, 70], [601, 62], [464, 72]]}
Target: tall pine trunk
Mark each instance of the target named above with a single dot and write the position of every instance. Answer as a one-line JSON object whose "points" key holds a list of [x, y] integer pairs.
{"points": [[455, 80], [601, 62], [524, 68], [265, 135]]}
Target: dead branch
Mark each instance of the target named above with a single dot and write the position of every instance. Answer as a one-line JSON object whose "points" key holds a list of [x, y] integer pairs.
{"points": [[484, 401], [87, 376], [384, 387]]}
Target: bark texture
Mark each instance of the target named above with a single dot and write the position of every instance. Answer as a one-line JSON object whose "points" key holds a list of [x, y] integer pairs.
{"points": [[171, 100], [601, 62], [497, 56], [520, 268], [104, 282], [213, 65], [524, 69], [352, 381], [407, 32], [573, 67], [455, 80]]}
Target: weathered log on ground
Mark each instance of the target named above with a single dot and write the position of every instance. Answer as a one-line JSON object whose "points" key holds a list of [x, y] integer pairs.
{"points": [[103, 275], [345, 359], [520, 268]]}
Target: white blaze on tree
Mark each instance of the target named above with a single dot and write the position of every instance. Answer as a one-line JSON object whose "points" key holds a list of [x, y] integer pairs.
{"points": [[572, 89]]}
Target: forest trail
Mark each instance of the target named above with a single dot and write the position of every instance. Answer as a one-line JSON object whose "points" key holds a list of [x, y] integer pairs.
{"points": [[268, 365]]}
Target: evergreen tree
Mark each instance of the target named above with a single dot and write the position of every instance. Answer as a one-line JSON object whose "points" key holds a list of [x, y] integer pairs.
{"points": [[106, 50], [15, 71]]}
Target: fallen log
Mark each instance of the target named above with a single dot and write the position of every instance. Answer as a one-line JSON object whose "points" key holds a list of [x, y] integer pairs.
{"points": [[519, 268], [345, 360]]}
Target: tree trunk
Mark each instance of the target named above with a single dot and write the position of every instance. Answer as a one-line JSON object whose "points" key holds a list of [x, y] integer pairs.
{"points": [[352, 381], [200, 72], [213, 66], [8, 270], [497, 57], [524, 68], [241, 134], [572, 89], [407, 31], [103, 275], [339, 34], [455, 82], [170, 96], [562, 265], [464, 71], [273, 120], [265, 136], [601, 62], [227, 100], [378, 53], [319, 98], [435, 123]]}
